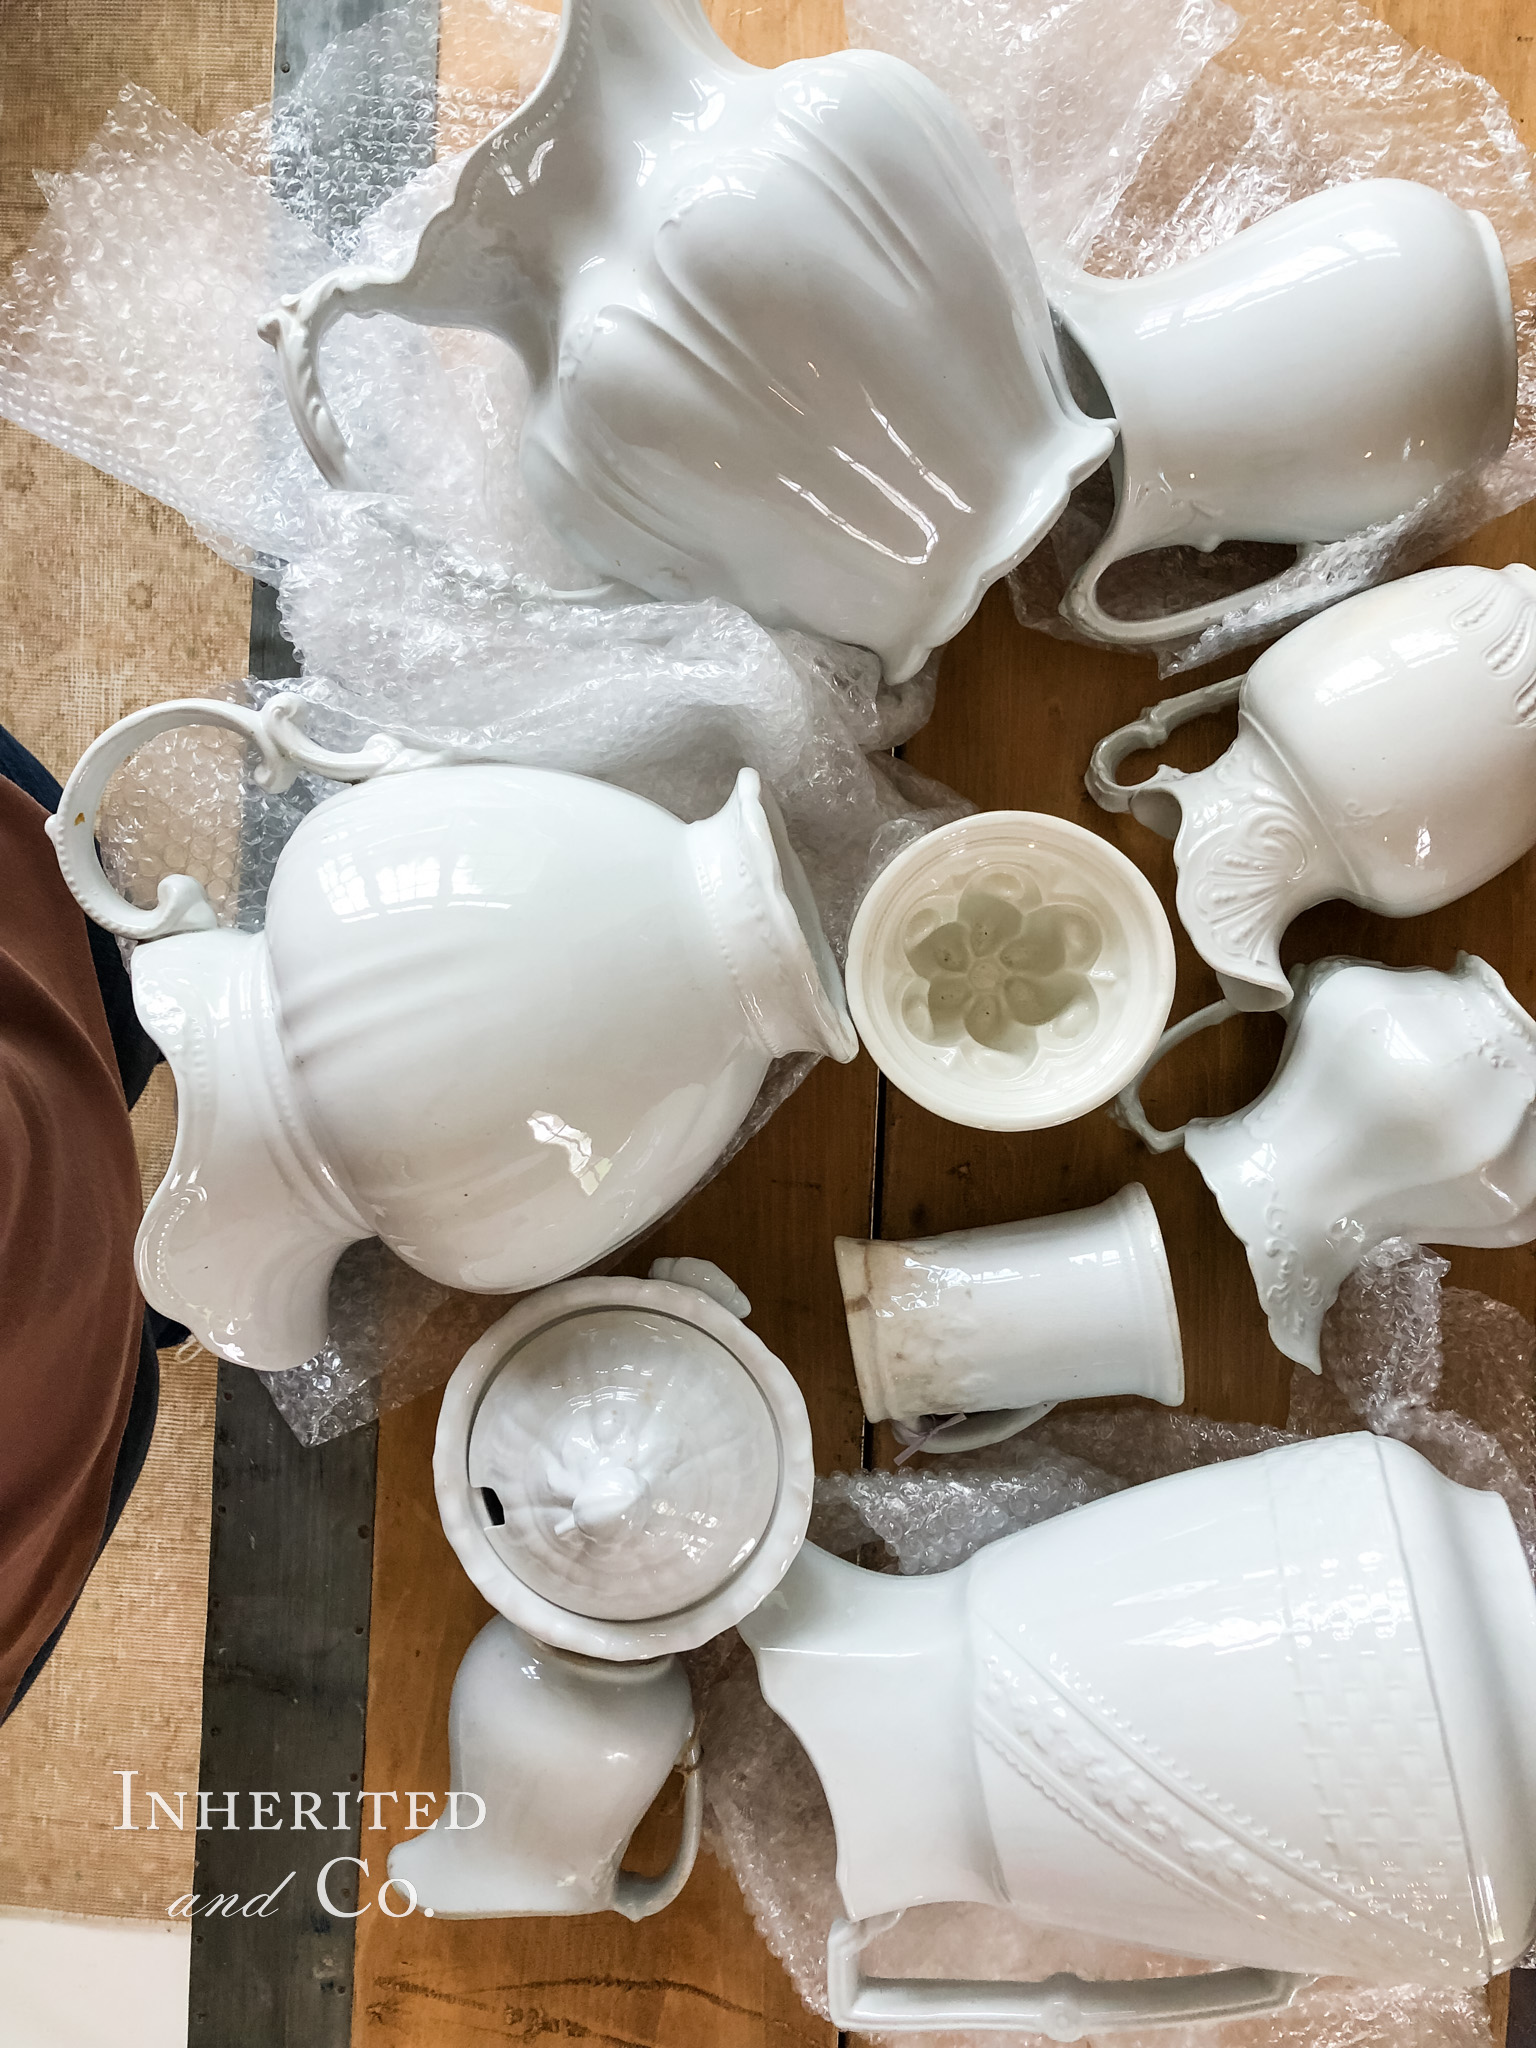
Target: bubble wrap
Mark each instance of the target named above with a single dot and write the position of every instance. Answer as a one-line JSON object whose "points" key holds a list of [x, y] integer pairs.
{"points": [[667, 700], [1448, 1371], [1131, 137], [1134, 138], [378, 1305], [128, 336]]}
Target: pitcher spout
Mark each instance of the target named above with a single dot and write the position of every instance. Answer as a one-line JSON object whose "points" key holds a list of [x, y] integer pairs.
{"points": [[764, 920], [240, 1239]]}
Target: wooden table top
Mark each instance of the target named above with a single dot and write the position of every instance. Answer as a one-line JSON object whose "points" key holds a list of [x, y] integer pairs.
{"points": [[1016, 718]]}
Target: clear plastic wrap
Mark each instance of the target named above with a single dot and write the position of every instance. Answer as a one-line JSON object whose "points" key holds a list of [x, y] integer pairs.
{"points": [[667, 699], [1131, 138], [129, 337], [378, 1306], [1448, 1371], [1137, 137], [1307, 95]]}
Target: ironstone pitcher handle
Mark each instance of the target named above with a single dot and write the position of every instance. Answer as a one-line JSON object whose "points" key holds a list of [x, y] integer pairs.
{"points": [[1063, 2008], [295, 328], [638, 1897], [1150, 730], [285, 751], [1081, 603], [1126, 1110]]}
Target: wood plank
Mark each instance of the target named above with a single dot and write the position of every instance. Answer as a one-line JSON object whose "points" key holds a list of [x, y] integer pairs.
{"points": [[284, 1680], [285, 1676]]}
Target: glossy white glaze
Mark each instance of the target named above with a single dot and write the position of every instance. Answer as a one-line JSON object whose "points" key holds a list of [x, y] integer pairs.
{"points": [[1402, 1106], [622, 1467], [1010, 970], [1385, 753], [1274, 1712], [635, 1464], [784, 336], [500, 1017], [566, 1755], [1059, 1308], [1319, 373]]}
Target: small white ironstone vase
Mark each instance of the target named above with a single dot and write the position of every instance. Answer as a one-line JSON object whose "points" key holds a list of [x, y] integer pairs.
{"points": [[963, 1339]]}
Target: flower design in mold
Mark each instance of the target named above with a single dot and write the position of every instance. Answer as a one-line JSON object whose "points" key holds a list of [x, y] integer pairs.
{"points": [[1002, 967]]}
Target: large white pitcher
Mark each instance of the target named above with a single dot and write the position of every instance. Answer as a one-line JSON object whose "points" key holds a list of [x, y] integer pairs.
{"points": [[501, 1018], [1322, 372], [784, 336], [1275, 1713]]}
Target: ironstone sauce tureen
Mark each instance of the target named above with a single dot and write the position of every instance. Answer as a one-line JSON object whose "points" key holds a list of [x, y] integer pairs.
{"points": [[624, 1470], [501, 1018]]}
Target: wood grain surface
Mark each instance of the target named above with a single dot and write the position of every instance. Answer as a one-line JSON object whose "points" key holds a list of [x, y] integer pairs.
{"points": [[1017, 716]]}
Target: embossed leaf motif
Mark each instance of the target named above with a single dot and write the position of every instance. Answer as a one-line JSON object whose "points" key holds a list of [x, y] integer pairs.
{"points": [[997, 973]]}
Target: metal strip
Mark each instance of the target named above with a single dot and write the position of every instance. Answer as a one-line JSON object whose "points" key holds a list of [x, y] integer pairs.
{"points": [[1520, 2031]]}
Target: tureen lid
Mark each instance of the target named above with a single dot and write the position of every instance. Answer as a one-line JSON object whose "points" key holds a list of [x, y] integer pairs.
{"points": [[623, 1469]]}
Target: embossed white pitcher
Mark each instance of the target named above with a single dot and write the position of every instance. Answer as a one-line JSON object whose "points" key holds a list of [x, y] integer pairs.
{"points": [[1403, 1105], [1385, 754], [500, 1017], [1275, 1713], [784, 336], [564, 1754]]}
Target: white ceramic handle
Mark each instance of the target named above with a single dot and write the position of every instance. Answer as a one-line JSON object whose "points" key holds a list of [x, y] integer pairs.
{"points": [[295, 328], [1151, 729], [1126, 1110], [1081, 603], [181, 904], [1063, 2008], [638, 1897]]}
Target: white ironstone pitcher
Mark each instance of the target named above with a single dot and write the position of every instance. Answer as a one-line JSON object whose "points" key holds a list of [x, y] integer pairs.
{"points": [[784, 336], [500, 1017], [1402, 1106], [1385, 754], [1274, 1712], [1320, 373], [564, 1755]]}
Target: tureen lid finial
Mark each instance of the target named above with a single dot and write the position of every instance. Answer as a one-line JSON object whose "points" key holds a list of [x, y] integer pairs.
{"points": [[620, 1463]]}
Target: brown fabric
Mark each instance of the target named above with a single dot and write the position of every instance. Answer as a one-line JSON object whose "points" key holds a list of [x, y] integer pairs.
{"points": [[70, 1312]]}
